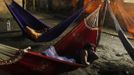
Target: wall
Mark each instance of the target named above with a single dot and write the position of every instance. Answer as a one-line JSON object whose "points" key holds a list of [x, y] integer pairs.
{"points": [[51, 5], [5, 16], [130, 8], [3, 9]]}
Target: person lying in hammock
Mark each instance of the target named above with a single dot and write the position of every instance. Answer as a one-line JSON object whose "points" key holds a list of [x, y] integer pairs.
{"points": [[86, 55], [33, 33]]}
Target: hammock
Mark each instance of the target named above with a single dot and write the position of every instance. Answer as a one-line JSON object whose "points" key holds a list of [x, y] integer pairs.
{"points": [[102, 16], [126, 43], [123, 17], [9, 55], [75, 40], [69, 45], [24, 19]]}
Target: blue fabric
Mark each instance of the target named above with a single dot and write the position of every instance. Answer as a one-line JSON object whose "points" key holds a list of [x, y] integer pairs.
{"points": [[24, 19], [51, 52]]}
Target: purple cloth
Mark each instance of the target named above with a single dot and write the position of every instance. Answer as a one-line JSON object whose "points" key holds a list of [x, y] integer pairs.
{"points": [[52, 53]]}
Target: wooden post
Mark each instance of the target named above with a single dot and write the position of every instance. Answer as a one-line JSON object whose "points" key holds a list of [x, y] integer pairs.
{"points": [[34, 5], [24, 4], [49, 4]]}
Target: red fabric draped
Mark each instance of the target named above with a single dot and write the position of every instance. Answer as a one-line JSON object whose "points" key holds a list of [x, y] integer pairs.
{"points": [[76, 39]]}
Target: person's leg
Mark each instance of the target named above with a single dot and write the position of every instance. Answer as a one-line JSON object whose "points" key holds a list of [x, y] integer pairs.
{"points": [[84, 57]]}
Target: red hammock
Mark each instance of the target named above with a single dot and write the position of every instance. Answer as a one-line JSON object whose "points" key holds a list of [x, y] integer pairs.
{"points": [[36, 63]]}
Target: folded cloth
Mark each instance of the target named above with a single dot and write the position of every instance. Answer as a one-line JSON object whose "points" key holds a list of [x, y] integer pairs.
{"points": [[50, 51]]}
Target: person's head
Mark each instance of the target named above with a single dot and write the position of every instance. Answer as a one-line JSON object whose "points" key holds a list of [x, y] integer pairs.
{"points": [[88, 46]]}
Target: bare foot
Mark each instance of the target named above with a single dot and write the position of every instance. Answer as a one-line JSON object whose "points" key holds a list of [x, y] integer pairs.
{"points": [[33, 33]]}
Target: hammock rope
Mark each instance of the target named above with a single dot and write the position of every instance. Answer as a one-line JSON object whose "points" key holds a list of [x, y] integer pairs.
{"points": [[92, 19], [102, 16]]}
